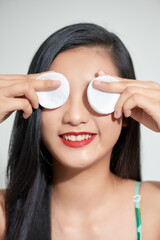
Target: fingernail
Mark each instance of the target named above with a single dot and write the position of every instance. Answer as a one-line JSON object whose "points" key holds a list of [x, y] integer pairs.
{"points": [[56, 83], [116, 115], [36, 106], [101, 72], [96, 83], [25, 115]]}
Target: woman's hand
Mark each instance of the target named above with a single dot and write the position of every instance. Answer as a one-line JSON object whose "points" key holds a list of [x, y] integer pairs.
{"points": [[18, 92], [139, 100]]}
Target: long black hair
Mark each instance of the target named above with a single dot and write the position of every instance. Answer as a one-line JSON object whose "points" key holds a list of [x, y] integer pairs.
{"points": [[30, 165]]}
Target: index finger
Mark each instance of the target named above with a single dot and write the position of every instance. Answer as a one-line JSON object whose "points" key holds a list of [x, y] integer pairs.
{"points": [[9, 79], [118, 87], [40, 85]]}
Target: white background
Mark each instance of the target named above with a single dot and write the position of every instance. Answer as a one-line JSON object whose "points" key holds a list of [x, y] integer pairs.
{"points": [[24, 25]]}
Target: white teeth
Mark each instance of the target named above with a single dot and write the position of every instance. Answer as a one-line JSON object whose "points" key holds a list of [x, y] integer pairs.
{"points": [[73, 138], [77, 138]]}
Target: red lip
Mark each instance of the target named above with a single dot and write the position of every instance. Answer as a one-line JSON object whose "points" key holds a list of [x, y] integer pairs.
{"points": [[76, 144]]}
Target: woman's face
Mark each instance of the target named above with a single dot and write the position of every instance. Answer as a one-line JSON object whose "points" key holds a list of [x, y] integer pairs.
{"points": [[80, 65]]}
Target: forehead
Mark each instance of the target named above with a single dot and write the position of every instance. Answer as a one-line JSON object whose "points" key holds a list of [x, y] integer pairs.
{"points": [[82, 63]]}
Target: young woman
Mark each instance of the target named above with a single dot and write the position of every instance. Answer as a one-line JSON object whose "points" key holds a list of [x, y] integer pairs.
{"points": [[56, 191]]}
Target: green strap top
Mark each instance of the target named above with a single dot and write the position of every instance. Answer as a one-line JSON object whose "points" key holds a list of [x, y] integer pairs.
{"points": [[136, 200]]}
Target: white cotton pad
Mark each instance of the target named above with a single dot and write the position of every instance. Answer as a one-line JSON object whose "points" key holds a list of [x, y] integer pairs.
{"points": [[56, 97], [102, 102]]}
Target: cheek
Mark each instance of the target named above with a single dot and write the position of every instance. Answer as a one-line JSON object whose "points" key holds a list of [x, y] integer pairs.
{"points": [[110, 129], [48, 126]]}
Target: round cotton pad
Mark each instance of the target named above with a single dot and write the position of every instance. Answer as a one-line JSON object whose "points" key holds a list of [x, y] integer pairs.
{"points": [[57, 97], [102, 102]]}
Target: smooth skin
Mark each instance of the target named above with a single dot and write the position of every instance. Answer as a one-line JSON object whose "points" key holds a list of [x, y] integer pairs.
{"points": [[114, 203]]}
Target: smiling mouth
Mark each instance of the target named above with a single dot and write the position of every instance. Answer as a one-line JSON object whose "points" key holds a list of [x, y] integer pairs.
{"points": [[77, 140]]}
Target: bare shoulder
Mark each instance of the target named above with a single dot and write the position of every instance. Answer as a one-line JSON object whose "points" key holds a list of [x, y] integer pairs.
{"points": [[151, 191], [152, 184], [150, 206], [2, 213]]}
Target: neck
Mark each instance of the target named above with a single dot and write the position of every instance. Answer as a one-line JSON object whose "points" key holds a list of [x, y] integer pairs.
{"points": [[83, 191]]}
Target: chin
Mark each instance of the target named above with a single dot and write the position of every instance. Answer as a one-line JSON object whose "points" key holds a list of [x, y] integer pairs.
{"points": [[75, 162]]}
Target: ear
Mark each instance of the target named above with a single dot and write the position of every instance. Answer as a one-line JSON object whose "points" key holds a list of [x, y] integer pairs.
{"points": [[124, 121]]}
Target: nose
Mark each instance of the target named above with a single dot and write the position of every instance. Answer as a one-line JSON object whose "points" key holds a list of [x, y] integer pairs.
{"points": [[76, 112]]}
